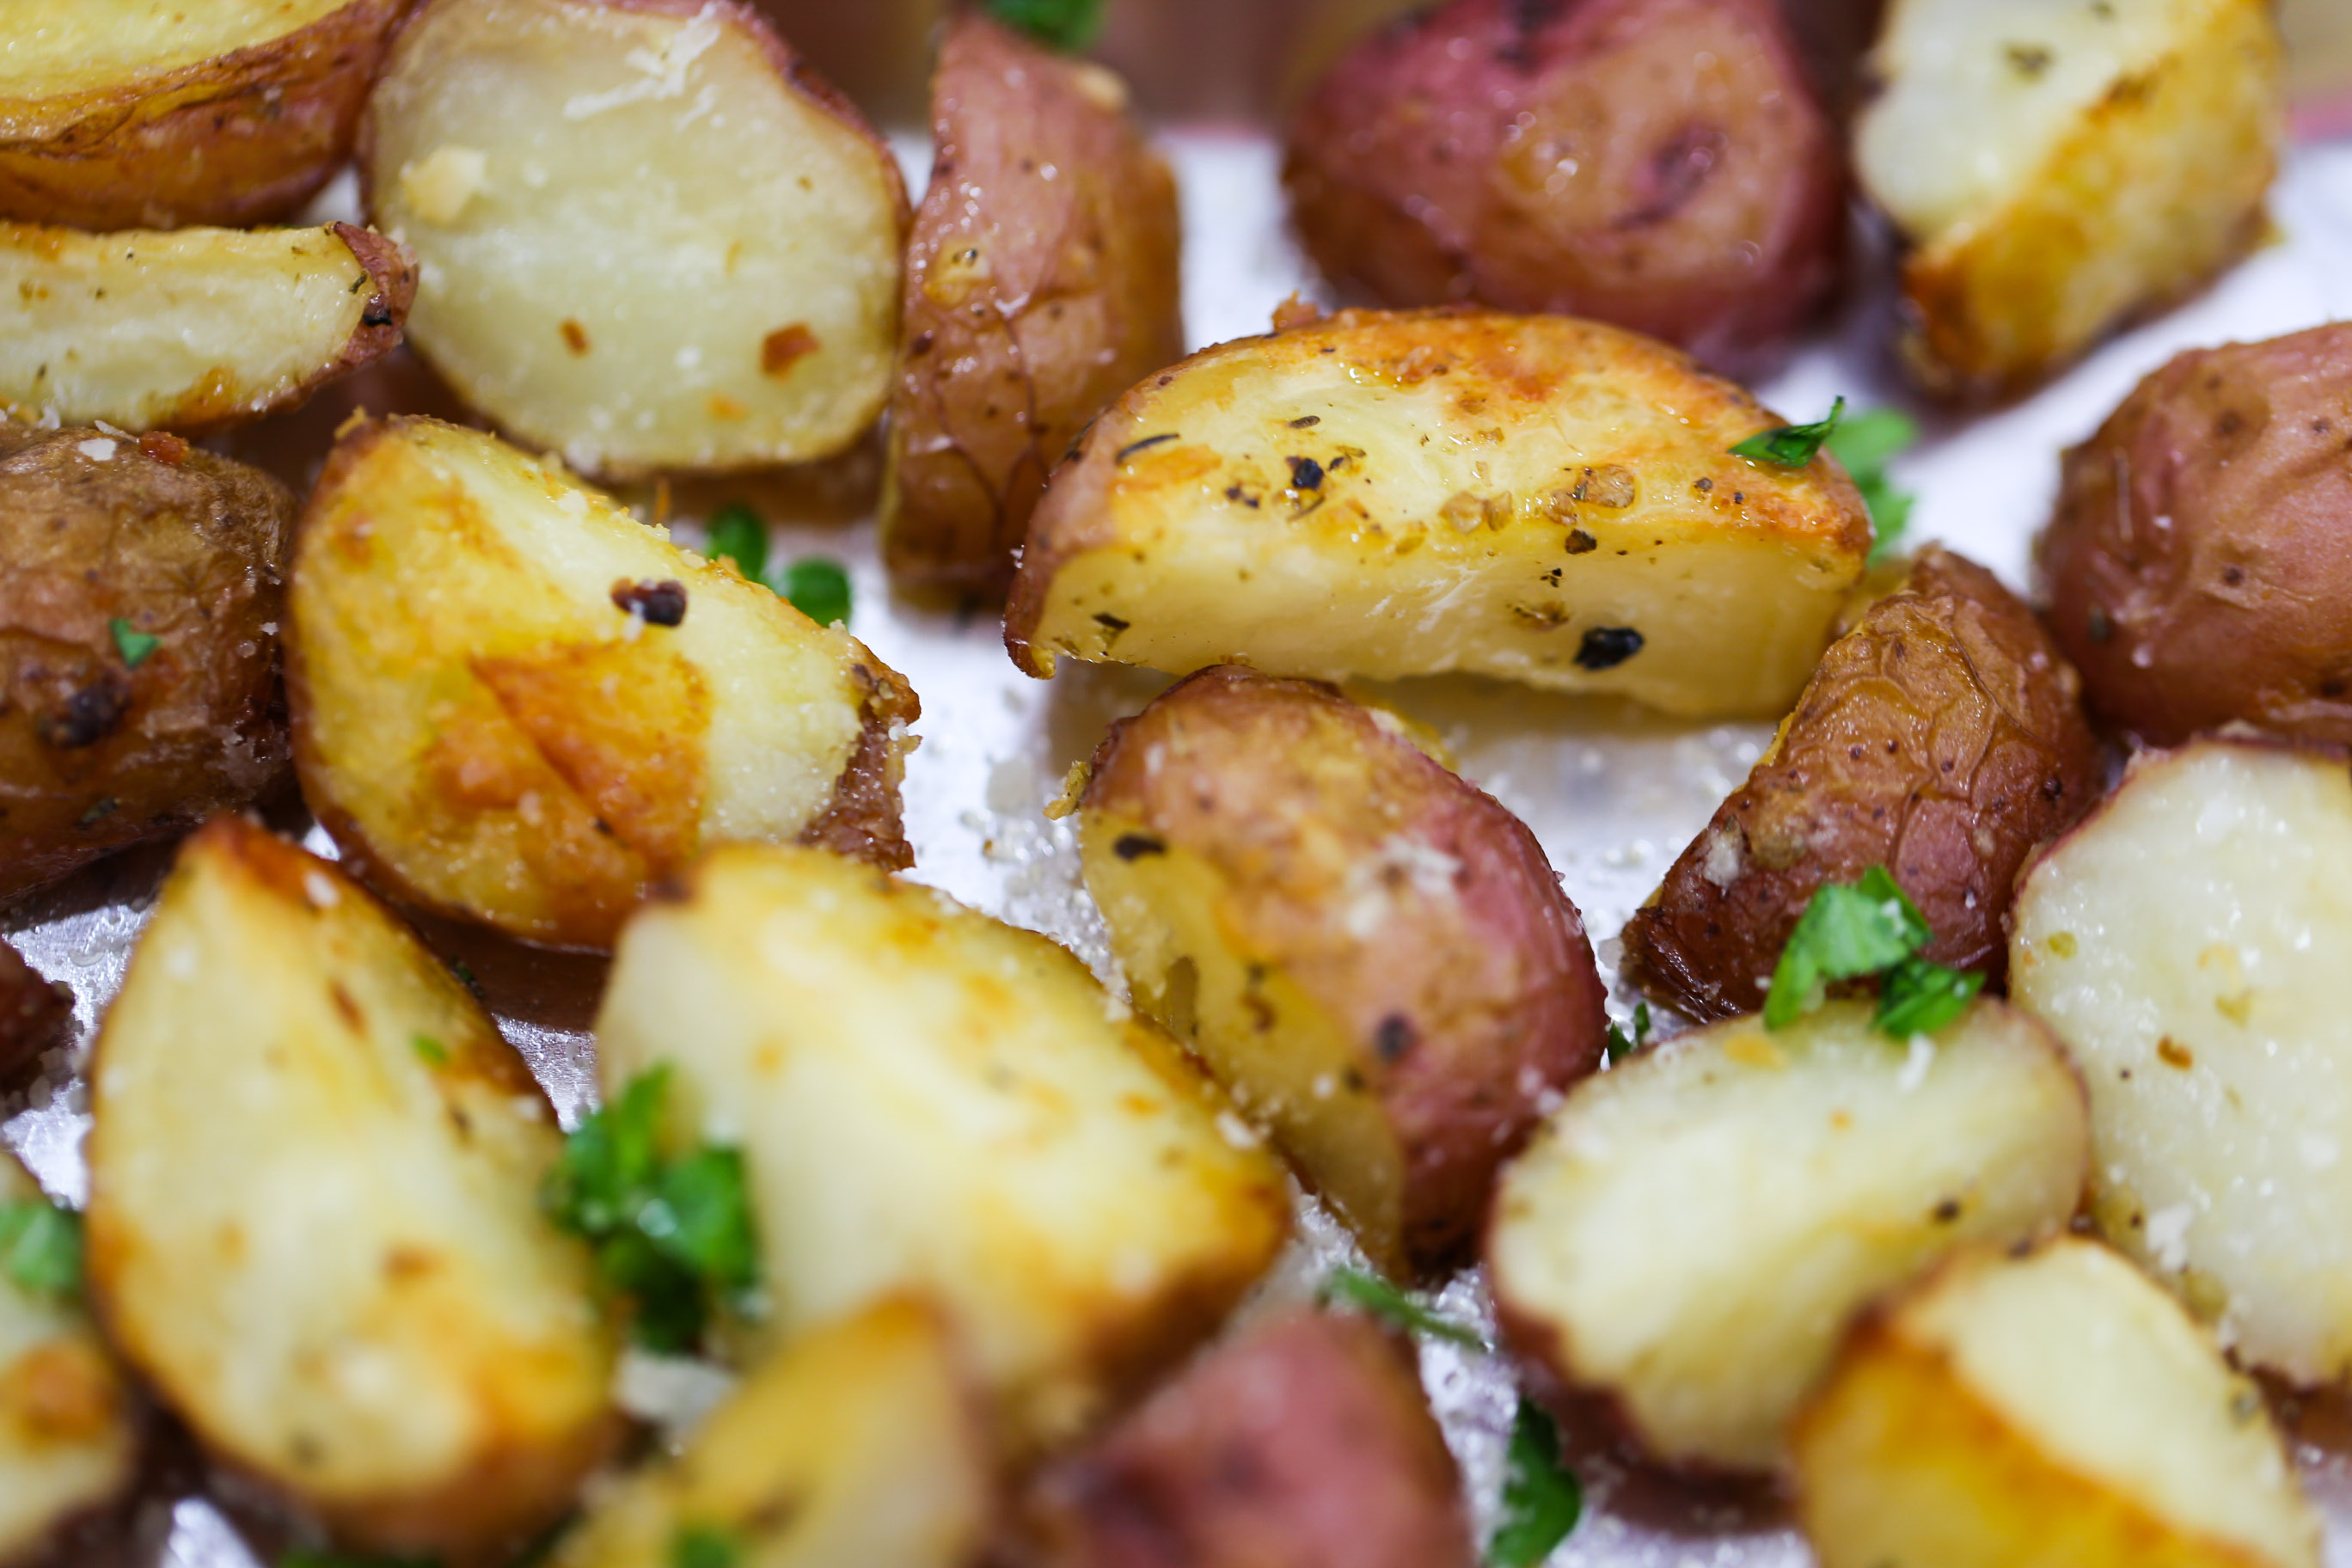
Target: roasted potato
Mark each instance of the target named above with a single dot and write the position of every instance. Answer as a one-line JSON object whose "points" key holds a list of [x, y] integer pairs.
{"points": [[35, 1017], [314, 1224], [2049, 1411], [928, 1100], [651, 236], [2185, 943], [139, 613], [1661, 165], [2115, 158], [1405, 493], [69, 1430], [2195, 565], [1943, 737], [1372, 955], [1689, 1234], [516, 704], [1041, 283], [126, 115], [192, 330], [857, 1444], [1303, 1442]]}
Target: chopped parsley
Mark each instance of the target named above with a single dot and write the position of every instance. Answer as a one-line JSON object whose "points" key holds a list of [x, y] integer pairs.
{"points": [[1621, 1045], [1790, 445], [1853, 932], [132, 643], [1063, 24], [737, 534], [1371, 1293], [1866, 444], [1916, 997], [1542, 1499], [40, 1248], [435, 1053], [704, 1546], [818, 589]]}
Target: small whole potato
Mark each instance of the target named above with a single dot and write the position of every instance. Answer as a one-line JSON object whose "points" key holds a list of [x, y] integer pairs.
{"points": [[2195, 566], [1660, 165]]}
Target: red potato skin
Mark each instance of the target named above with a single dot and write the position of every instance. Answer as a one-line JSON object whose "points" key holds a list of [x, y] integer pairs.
{"points": [[1570, 156], [1942, 737], [1303, 1442], [2195, 566], [36, 1016]]}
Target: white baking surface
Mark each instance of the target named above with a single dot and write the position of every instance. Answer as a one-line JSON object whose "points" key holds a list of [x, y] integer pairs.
{"points": [[1613, 793]]}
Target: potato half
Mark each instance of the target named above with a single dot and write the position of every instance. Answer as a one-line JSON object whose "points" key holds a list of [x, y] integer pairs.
{"points": [[2115, 158], [929, 1100], [2187, 943], [1041, 283], [651, 236], [1405, 493], [1689, 1235], [1943, 737], [1372, 955], [2049, 1411], [314, 1223], [190, 330], [127, 114], [515, 703], [857, 1444]]}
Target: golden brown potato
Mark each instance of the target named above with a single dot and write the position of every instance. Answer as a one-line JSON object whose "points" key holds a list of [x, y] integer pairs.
{"points": [[314, 1224], [139, 614], [516, 704], [36, 1016], [651, 236], [2049, 1411], [1943, 737], [930, 1102], [1041, 283], [2195, 565], [2060, 170], [126, 115], [1303, 1442], [1371, 954], [194, 330], [1661, 165], [1382, 494]]}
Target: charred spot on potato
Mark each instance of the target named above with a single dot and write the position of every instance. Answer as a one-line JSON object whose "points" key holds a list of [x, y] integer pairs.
{"points": [[661, 603], [785, 347], [1580, 542], [1605, 647], [88, 715], [2028, 60], [1393, 1037], [1610, 485], [1948, 1211], [1306, 422], [1111, 624], [1136, 845], [1306, 473], [1128, 451]]}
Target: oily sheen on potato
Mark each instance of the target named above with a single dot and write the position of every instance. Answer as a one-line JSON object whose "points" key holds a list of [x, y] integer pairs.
{"points": [[516, 704], [929, 1100], [1372, 955], [2052, 1411], [314, 1224], [1690, 1232], [1382, 494], [190, 330], [651, 236], [2185, 943], [858, 1442], [2116, 158]]}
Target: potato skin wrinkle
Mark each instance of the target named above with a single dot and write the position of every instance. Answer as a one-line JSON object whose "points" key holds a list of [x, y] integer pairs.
{"points": [[96, 753], [1943, 737], [2195, 565], [1372, 955], [1041, 283]]}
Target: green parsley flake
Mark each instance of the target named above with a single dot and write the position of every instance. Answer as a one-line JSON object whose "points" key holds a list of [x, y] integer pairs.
{"points": [[1063, 24], [1542, 1499], [1620, 1046], [40, 1248], [132, 643], [737, 534], [1916, 997], [1371, 1293], [1790, 445], [818, 588], [704, 1546], [1866, 444], [435, 1053], [1853, 931]]}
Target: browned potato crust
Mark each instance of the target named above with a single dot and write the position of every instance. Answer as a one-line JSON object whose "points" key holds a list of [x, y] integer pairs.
{"points": [[36, 1015], [146, 137], [104, 740], [2196, 565], [1041, 283], [1305, 1443], [1942, 737], [1374, 955], [1661, 165]]}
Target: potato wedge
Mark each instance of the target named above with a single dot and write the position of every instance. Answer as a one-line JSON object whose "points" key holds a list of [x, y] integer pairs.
{"points": [[1373, 956], [139, 611], [1405, 493], [1943, 737], [314, 1224], [69, 1427], [2185, 943], [865, 1431], [652, 237], [929, 1100], [126, 115], [35, 1017], [2116, 159], [1324, 1418], [192, 330], [516, 704], [2049, 1411], [1689, 1235]]}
